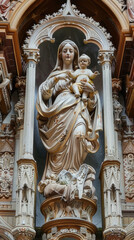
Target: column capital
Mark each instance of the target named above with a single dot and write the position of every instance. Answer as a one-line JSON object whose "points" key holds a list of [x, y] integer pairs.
{"points": [[31, 54], [105, 56]]}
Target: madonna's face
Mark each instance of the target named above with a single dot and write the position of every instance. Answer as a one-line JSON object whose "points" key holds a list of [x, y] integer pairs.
{"points": [[67, 54]]}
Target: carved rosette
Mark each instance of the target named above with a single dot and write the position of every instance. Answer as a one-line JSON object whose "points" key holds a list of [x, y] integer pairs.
{"points": [[68, 218], [128, 162], [116, 88], [19, 106]]}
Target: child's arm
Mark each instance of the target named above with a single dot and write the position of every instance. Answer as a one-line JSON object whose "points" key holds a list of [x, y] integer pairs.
{"points": [[93, 75]]}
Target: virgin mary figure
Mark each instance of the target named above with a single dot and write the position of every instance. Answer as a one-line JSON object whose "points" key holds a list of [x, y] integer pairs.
{"points": [[68, 127]]}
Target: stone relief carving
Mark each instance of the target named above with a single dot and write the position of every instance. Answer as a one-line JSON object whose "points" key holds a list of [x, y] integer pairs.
{"points": [[4, 95], [6, 159], [74, 209], [6, 174], [128, 161], [130, 10], [19, 106], [5, 7], [116, 88]]}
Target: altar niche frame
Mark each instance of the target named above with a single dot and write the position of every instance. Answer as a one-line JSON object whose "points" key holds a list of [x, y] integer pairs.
{"points": [[69, 16]]}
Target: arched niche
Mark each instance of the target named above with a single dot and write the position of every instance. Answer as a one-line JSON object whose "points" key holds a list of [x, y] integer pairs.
{"points": [[68, 16], [26, 10], [48, 54]]}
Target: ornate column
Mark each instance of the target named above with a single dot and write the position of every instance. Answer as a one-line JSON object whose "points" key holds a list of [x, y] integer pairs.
{"points": [[110, 171], [32, 58], [27, 170], [105, 58]]}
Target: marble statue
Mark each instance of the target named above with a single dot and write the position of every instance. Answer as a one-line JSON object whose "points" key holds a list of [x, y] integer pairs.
{"points": [[68, 128], [83, 74]]}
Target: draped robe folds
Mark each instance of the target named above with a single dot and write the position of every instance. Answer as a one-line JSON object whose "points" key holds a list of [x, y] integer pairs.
{"points": [[68, 127]]}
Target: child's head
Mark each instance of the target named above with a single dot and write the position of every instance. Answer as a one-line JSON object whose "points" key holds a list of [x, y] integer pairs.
{"points": [[84, 61]]}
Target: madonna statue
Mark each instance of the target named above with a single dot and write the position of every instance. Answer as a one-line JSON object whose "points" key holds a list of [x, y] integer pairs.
{"points": [[68, 127]]}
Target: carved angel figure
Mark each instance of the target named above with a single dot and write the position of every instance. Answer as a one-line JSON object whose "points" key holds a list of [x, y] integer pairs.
{"points": [[68, 128]]}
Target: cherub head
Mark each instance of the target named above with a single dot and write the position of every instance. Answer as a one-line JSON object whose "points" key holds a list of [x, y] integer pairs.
{"points": [[84, 61]]}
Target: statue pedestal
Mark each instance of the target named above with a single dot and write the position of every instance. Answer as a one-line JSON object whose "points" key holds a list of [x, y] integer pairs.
{"points": [[68, 219]]}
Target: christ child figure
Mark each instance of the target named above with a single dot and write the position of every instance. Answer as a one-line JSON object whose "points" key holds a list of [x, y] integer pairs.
{"points": [[83, 74]]}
